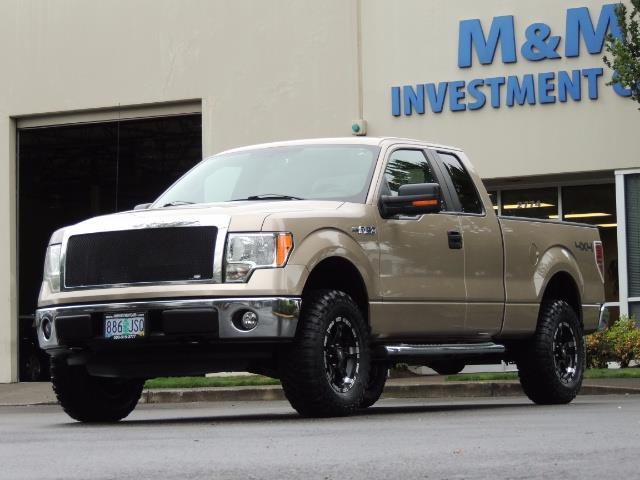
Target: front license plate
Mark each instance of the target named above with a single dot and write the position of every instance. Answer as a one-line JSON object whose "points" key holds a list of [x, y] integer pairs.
{"points": [[123, 326]]}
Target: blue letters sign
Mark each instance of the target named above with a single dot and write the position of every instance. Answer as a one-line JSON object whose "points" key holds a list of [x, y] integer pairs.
{"points": [[540, 44]]}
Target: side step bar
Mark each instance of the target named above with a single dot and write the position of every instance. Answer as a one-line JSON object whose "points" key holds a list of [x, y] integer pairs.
{"points": [[435, 351]]}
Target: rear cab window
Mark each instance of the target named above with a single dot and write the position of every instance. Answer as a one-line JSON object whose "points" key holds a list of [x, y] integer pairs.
{"points": [[462, 184]]}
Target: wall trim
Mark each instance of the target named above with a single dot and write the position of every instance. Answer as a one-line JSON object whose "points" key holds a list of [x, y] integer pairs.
{"points": [[106, 114]]}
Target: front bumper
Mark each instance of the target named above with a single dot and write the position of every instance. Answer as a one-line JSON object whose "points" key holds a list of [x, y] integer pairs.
{"points": [[194, 319]]}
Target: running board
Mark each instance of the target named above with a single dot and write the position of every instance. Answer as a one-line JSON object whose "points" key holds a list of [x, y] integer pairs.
{"points": [[435, 351]]}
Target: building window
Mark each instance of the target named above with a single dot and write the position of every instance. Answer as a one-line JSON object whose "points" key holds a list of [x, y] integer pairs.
{"points": [[592, 204], [531, 203], [493, 195]]}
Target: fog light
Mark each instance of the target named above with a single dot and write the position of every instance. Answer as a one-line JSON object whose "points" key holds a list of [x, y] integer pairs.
{"points": [[249, 320], [46, 328]]}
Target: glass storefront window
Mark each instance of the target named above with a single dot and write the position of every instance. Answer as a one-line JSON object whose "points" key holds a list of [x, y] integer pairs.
{"points": [[531, 203], [493, 195], [592, 204]]}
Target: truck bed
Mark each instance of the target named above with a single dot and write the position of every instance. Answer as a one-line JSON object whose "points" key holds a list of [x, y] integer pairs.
{"points": [[534, 250]]}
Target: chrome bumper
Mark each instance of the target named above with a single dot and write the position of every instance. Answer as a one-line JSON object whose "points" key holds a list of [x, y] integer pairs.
{"points": [[277, 316]]}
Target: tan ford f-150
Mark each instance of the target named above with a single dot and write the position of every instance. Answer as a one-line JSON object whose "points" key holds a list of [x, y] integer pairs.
{"points": [[321, 263]]}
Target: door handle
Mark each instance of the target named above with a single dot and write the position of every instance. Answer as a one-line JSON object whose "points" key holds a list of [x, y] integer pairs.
{"points": [[455, 240]]}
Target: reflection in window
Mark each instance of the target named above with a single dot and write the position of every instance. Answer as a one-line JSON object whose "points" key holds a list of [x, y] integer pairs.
{"points": [[592, 204], [407, 167], [493, 195], [466, 190], [531, 203]]}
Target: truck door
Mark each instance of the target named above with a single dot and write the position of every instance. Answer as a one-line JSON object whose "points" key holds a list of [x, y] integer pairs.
{"points": [[481, 243], [421, 268]]}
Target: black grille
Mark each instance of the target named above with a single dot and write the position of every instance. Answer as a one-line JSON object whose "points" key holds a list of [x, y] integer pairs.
{"points": [[140, 256]]}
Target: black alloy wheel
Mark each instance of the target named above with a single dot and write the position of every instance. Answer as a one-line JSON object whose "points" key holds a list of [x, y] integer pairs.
{"points": [[341, 354], [565, 353]]}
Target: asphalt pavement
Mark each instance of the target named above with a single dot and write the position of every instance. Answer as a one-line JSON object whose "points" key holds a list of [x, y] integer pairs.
{"points": [[593, 437]]}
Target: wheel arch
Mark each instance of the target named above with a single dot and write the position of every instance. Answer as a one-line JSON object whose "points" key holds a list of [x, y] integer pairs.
{"points": [[562, 286], [338, 273]]}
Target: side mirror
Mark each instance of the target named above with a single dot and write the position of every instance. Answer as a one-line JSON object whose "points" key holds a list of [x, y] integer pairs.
{"points": [[142, 206], [412, 199]]}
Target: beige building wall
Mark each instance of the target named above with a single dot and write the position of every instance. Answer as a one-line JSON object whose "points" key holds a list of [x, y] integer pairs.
{"points": [[263, 71], [282, 69], [416, 41]]}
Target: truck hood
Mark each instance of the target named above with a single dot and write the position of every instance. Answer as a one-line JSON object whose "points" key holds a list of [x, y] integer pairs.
{"points": [[236, 216]]}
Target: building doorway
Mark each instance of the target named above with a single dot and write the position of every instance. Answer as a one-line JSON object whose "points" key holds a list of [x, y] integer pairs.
{"points": [[68, 173]]}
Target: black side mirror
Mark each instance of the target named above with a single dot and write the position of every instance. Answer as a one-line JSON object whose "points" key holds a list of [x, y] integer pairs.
{"points": [[142, 206], [412, 199]]}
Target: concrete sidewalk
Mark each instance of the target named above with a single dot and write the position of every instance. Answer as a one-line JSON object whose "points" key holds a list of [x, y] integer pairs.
{"points": [[414, 387]]}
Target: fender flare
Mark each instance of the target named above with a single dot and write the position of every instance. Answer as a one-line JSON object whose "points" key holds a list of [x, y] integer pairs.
{"points": [[326, 243]]}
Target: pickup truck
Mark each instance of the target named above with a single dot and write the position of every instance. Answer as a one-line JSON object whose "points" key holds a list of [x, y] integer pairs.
{"points": [[321, 263]]}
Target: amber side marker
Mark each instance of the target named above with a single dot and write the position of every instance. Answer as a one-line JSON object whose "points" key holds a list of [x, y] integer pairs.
{"points": [[424, 203], [284, 245]]}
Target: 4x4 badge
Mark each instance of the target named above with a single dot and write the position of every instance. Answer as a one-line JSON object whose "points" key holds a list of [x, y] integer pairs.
{"points": [[364, 230]]}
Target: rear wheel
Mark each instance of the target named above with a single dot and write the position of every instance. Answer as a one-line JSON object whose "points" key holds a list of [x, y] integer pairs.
{"points": [[325, 372], [93, 399], [551, 365]]}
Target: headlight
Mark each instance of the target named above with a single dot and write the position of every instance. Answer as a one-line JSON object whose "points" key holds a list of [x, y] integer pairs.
{"points": [[249, 251], [52, 267]]}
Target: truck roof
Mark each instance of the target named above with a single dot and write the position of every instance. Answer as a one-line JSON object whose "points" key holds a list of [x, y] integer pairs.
{"points": [[374, 141]]}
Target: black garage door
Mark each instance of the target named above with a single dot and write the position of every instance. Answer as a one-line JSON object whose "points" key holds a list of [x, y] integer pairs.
{"points": [[69, 173]]}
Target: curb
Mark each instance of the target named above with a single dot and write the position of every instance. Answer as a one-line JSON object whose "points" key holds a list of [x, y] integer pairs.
{"points": [[393, 390], [213, 394], [444, 390]]}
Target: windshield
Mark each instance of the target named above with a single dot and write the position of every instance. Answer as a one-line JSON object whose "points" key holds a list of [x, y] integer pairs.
{"points": [[319, 172]]}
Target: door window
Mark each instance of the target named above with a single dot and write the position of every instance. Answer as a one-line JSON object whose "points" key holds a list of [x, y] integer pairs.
{"points": [[406, 167]]}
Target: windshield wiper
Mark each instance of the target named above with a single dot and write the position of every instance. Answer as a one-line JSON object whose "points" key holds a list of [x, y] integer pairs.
{"points": [[175, 203], [268, 196]]}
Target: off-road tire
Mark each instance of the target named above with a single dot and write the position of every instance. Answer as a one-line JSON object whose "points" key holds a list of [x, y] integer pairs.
{"points": [[375, 386], [93, 399], [304, 371], [540, 371], [447, 367]]}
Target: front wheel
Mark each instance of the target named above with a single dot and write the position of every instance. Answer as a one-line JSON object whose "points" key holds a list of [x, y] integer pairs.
{"points": [[326, 370], [551, 365], [377, 380], [93, 399]]}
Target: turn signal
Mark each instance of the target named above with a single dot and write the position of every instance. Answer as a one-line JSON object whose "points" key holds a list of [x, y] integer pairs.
{"points": [[284, 245], [425, 203]]}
